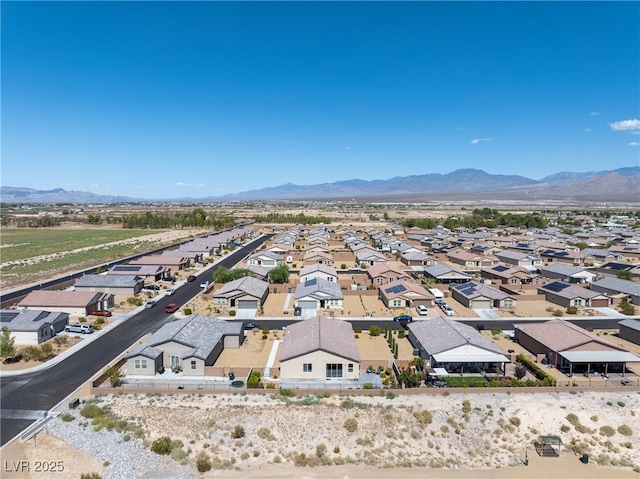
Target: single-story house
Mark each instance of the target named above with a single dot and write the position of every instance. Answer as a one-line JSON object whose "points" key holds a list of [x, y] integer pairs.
{"points": [[504, 275], [152, 272], [454, 346], [242, 293], [110, 283], [575, 258], [79, 303], [444, 274], [417, 258], [318, 293], [613, 269], [603, 255], [188, 345], [321, 257], [470, 260], [32, 327], [572, 349], [366, 257], [614, 286], [383, 273], [318, 270], [320, 348], [567, 273], [479, 296], [175, 263], [404, 294], [630, 330], [266, 259], [566, 295], [518, 258]]}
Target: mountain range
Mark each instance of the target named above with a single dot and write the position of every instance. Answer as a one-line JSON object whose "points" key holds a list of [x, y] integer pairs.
{"points": [[621, 185]]}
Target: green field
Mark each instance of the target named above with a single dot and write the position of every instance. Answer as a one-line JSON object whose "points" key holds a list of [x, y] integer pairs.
{"points": [[23, 244]]}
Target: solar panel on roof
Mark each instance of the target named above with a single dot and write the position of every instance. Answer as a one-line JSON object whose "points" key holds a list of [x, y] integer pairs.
{"points": [[124, 267], [556, 286], [500, 268], [311, 282], [399, 288], [7, 316]]}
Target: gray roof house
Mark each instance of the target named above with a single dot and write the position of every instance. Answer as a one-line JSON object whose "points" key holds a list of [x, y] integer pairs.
{"points": [[243, 293], [446, 274], [110, 283], [318, 270], [32, 327], [565, 272], [630, 330], [188, 345], [614, 286], [318, 293], [566, 294], [478, 296], [455, 347]]}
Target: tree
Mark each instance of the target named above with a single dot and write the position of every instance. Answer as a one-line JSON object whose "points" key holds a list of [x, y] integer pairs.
{"points": [[625, 274], [409, 379], [279, 274], [114, 375], [7, 347], [520, 371]]}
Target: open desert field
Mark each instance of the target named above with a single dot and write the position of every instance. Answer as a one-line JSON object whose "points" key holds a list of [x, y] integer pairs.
{"points": [[323, 436]]}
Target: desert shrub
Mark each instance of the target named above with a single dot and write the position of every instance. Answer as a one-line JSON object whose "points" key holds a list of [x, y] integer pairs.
{"points": [[66, 417], [265, 433], [565, 428], [203, 463], [496, 330], [401, 334], [46, 351], [90, 475], [187, 311], [425, 417], [351, 425], [621, 404], [466, 406], [515, 421], [625, 430], [583, 429], [572, 310], [238, 432], [367, 386], [357, 330], [162, 445], [594, 418], [91, 410], [557, 313], [375, 330], [627, 308], [32, 353], [336, 450], [288, 393], [232, 312], [573, 419], [321, 450], [390, 395], [607, 431]]}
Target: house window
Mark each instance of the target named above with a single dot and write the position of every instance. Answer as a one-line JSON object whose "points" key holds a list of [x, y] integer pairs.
{"points": [[334, 371], [350, 367], [578, 302], [221, 300], [193, 364], [143, 363], [396, 302], [508, 303], [307, 368], [140, 364]]}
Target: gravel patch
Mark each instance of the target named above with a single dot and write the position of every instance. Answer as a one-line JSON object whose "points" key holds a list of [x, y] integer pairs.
{"points": [[127, 459]]}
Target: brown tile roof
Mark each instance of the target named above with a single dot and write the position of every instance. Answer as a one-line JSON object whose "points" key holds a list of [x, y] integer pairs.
{"points": [[74, 299], [327, 334]]}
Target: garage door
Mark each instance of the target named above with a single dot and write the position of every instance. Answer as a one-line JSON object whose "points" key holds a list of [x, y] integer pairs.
{"points": [[246, 304], [308, 304], [600, 303], [481, 304]]}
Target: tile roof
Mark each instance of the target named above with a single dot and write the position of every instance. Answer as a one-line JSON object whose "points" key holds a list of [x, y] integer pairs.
{"points": [[251, 286], [326, 334], [108, 280], [74, 299], [318, 288], [29, 320]]}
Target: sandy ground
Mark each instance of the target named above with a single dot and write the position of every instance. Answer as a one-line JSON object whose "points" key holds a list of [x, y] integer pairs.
{"points": [[485, 437], [58, 348]]}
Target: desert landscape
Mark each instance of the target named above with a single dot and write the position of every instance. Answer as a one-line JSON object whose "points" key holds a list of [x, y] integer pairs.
{"points": [[387, 435]]}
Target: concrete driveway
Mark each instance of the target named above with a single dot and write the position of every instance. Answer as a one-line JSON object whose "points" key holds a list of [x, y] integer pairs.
{"points": [[487, 314]]}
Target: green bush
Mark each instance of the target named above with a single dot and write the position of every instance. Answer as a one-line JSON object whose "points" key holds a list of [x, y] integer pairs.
{"points": [[375, 330], [91, 410], [572, 310], [357, 330], [287, 392], [232, 312], [625, 430], [254, 380], [367, 386], [66, 417], [573, 419], [536, 371], [203, 463], [187, 311], [162, 445]]}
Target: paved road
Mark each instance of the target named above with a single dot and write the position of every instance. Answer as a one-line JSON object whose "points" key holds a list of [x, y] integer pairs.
{"points": [[25, 398]]}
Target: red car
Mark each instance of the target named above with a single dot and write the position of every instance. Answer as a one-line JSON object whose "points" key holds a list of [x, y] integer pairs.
{"points": [[104, 313], [171, 308]]}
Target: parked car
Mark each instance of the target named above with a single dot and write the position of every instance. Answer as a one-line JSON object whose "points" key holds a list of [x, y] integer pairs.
{"points": [[403, 317], [204, 284], [191, 278], [250, 325], [84, 328], [151, 287], [171, 291], [105, 313], [448, 310], [421, 310], [297, 311], [170, 279], [171, 308], [149, 304]]}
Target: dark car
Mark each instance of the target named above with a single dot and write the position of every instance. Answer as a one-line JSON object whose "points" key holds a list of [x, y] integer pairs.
{"points": [[250, 325], [191, 278], [237, 384], [104, 313], [171, 308], [170, 279], [297, 311], [403, 317], [152, 287]]}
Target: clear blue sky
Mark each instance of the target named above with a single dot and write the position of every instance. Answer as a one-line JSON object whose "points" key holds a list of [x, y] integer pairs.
{"points": [[166, 100]]}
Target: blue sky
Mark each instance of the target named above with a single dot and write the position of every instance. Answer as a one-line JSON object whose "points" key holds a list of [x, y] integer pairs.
{"points": [[167, 100]]}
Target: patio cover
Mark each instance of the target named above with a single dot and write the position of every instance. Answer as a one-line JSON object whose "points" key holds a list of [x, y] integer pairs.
{"points": [[599, 357], [470, 354]]}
